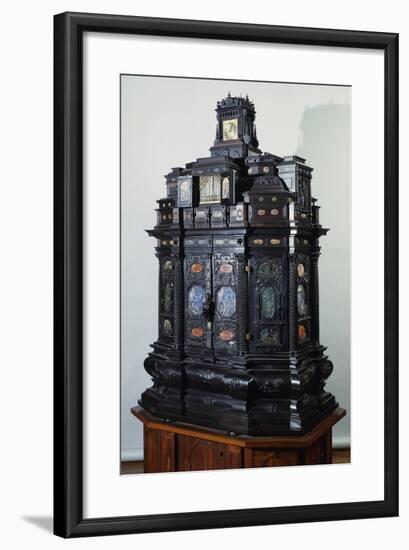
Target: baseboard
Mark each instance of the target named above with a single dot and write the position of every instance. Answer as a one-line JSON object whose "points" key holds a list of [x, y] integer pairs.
{"points": [[342, 442], [128, 455]]}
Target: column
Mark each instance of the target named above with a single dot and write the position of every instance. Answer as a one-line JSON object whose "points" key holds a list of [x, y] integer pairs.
{"points": [[242, 304]]}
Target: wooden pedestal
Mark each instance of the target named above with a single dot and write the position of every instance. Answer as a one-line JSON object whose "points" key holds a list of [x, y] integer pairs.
{"points": [[178, 447]]}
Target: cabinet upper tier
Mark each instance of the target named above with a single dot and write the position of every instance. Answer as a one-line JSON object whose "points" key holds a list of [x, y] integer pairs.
{"points": [[238, 184]]}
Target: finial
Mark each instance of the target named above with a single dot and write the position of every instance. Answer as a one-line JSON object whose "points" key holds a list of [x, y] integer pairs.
{"points": [[228, 95]]}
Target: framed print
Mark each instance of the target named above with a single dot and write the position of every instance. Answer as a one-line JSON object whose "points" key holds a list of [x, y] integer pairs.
{"points": [[226, 298]]}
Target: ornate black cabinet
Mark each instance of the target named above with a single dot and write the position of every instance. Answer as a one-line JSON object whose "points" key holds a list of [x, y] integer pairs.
{"points": [[238, 246]]}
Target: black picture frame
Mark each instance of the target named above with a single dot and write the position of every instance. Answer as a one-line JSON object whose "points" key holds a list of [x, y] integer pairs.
{"points": [[68, 287]]}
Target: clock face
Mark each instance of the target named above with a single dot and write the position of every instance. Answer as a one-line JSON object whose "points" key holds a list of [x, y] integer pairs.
{"points": [[230, 129]]}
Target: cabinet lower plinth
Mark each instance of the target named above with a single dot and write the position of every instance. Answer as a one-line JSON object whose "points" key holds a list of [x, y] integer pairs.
{"points": [[178, 446]]}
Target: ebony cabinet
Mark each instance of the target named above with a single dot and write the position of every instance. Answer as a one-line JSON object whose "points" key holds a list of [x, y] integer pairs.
{"points": [[237, 240]]}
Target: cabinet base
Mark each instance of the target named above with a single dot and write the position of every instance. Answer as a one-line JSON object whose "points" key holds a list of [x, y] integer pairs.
{"points": [[177, 446]]}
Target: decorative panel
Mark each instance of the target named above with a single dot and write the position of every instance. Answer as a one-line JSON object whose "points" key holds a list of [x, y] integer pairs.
{"points": [[197, 290], [225, 188], [268, 458], [268, 302], [226, 301], [301, 300], [225, 296], [209, 189], [270, 336], [184, 191], [303, 270], [199, 454], [266, 299], [195, 300], [166, 294]]}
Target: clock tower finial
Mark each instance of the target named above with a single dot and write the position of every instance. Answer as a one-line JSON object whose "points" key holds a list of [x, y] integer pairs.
{"points": [[235, 131]]}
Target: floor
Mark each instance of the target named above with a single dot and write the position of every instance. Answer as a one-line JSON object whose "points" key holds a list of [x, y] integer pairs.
{"points": [[339, 456]]}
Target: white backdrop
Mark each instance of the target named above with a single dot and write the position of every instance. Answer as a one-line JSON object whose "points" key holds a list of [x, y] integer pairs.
{"points": [[166, 122], [26, 280]]}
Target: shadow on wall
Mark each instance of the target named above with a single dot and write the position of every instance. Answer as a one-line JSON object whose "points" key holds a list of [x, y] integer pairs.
{"points": [[318, 146], [325, 143]]}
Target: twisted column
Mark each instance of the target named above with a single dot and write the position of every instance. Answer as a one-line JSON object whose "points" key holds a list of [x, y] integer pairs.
{"points": [[178, 303], [292, 303], [315, 294], [242, 307]]}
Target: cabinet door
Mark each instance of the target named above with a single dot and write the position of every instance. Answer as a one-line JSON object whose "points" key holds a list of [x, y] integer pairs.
{"points": [[211, 283], [225, 299], [268, 298], [166, 299], [198, 291], [199, 454]]}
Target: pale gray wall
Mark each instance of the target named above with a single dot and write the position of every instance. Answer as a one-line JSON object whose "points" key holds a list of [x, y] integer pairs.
{"points": [[166, 122]]}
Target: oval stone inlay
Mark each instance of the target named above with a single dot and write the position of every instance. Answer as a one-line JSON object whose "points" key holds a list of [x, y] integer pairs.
{"points": [[269, 268], [301, 300], [196, 300], [226, 268], [258, 241], [197, 332], [275, 241], [274, 211], [268, 302], [226, 301], [196, 268], [301, 332], [261, 212], [226, 335], [270, 336], [167, 327], [168, 297]]}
